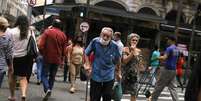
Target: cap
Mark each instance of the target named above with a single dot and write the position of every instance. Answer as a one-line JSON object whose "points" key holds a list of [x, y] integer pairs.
{"points": [[3, 22], [173, 38]]}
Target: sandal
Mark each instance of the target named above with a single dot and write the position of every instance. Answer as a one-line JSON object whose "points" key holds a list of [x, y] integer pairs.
{"points": [[11, 99]]}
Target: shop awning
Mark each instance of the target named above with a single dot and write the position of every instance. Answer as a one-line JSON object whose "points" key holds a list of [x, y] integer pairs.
{"points": [[110, 11]]}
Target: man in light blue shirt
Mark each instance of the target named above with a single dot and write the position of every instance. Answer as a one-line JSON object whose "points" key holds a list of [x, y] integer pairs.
{"points": [[107, 59], [154, 63]]}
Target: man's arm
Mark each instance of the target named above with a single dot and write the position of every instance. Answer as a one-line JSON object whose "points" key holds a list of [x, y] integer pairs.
{"points": [[164, 57], [42, 42], [9, 57], [87, 52]]}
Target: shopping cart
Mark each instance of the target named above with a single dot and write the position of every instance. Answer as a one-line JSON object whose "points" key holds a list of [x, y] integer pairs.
{"points": [[145, 82]]}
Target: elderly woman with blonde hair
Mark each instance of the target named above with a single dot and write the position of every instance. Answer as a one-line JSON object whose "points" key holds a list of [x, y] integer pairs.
{"points": [[130, 65]]}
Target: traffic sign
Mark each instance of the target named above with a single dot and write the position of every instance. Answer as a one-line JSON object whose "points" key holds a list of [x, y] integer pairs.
{"points": [[84, 27], [31, 2]]}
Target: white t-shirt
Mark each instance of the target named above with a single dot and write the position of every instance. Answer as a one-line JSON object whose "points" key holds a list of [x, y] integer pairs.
{"points": [[120, 46], [20, 46]]}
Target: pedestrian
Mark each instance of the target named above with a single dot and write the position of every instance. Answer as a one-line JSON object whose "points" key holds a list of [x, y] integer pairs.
{"points": [[75, 58], [180, 64], [39, 63], [131, 59], [168, 73], [107, 59], [117, 39], [193, 92], [66, 67], [22, 63], [154, 64], [52, 46], [6, 56]]}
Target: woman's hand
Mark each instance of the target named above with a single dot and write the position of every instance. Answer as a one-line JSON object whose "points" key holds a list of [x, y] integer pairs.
{"points": [[134, 50]]}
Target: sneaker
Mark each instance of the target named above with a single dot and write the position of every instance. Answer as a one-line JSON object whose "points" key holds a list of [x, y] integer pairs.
{"points": [[47, 95], [72, 90], [38, 82]]}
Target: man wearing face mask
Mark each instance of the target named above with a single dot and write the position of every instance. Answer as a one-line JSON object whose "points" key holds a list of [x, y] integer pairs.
{"points": [[106, 60]]}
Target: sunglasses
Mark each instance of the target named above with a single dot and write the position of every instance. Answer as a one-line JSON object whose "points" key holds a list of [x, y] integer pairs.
{"points": [[134, 40]]}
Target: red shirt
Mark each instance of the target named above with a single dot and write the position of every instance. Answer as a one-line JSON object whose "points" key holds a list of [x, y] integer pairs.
{"points": [[52, 45]]}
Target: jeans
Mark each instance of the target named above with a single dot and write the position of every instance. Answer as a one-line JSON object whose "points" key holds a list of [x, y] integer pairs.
{"points": [[153, 75], [2, 74], [39, 62], [101, 89], [48, 76]]}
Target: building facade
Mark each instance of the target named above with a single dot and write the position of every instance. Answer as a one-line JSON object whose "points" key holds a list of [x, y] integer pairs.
{"points": [[153, 20]]}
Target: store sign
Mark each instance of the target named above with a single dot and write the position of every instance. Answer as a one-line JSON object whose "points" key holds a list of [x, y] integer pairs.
{"points": [[84, 27], [31, 2], [183, 49]]}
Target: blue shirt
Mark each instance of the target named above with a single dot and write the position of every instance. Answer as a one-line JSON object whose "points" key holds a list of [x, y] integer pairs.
{"points": [[105, 59], [154, 58], [172, 54], [6, 51]]}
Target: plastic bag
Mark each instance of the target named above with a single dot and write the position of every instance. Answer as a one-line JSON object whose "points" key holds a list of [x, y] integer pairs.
{"points": [[117, 91]]}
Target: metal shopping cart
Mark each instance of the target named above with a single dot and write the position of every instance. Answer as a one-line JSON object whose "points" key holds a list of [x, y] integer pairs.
{"points": [[145, 82]]}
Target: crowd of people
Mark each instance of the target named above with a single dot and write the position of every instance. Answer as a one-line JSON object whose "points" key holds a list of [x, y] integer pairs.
{"points": [[106, 60]]}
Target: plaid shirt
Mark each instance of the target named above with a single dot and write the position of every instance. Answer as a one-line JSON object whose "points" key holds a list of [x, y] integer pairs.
{"points": [[6, 51]]}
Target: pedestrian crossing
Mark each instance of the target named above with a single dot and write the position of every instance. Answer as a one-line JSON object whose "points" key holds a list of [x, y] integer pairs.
{"points": [[165, 95]]}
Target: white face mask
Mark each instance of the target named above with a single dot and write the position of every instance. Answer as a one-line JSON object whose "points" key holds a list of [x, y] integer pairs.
{"points": [[103, 42]]}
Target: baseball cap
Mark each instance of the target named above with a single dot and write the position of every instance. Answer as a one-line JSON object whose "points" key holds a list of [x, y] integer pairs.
{"points": [[172, 37], [3, 22]]}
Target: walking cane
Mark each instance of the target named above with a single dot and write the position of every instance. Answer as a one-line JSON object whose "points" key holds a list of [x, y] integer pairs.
{"points": [[86, 96]]}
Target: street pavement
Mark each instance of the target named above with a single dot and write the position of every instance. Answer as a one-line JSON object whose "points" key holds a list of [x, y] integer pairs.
{"points": [[60, 92]]}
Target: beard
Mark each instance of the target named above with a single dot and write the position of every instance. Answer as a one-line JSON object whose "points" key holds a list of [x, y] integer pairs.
{"points": [[103, 42]]}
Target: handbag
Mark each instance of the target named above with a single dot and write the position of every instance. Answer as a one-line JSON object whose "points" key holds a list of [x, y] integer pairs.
{"points": [[117, 91], [32, 48], [83, 76]]}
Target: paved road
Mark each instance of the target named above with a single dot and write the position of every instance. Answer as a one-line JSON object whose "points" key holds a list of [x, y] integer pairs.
{"points": [[60, 92]]}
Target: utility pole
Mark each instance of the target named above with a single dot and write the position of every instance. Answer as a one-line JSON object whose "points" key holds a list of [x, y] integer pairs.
{"points": [[87, 12], [178, 17], [197, 13], [44, 13], [31, 3], [86, 17]]}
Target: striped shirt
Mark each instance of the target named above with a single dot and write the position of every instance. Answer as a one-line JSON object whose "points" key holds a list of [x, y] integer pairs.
{"points": [[6, 51]]}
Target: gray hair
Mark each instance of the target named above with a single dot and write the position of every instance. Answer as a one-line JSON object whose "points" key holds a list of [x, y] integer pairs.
{"points": [[133, 35], [108, 29]]}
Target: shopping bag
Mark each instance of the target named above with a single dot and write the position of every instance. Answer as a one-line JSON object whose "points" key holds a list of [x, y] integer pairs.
{"points": [[117, 91]]}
